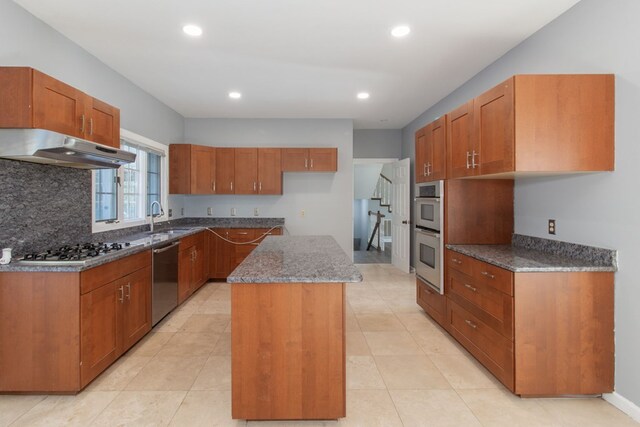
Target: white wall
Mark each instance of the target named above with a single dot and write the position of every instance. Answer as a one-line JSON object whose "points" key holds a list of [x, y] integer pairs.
{"points": [[595, 36], [377, 143], [365, 178], [326, 198]]}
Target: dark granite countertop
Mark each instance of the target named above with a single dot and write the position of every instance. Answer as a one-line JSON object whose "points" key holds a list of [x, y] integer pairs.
{"points": [[141, 241], [532, 254], [296, 259]]}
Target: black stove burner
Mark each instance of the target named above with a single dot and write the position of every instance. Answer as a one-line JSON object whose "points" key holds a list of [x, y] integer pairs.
{"points": [[78, 252]]}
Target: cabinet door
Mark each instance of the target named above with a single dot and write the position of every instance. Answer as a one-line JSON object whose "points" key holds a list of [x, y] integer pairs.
{"points": [[103, 125], [323, 159], [179, 166], [239, 252], [436, 149], [421, 155], [136, 321], [100, 322], [185, 273], [58, 107], [198, 267], [203, 169], [460, 146], [269, 171], [295, 159], [246, 171], [494, 124], [225, 170]]}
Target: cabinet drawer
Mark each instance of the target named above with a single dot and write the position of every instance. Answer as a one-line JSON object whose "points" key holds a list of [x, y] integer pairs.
{"points": [[493, 307], [460, 262], [241, 234], [496, 277], [432, 302], [95, 277], [194, 239], [493, 350], [261, 231]]}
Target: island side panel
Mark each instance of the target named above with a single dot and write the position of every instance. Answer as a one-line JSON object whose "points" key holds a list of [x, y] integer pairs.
{"points": [[288, 351]]}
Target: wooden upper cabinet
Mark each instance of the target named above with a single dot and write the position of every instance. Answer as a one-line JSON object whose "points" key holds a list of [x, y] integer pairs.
{"points": [[430, 151], [535, 124], [269, 171], [295, 159], [102, 123], [58, 106], [436, 151], [225, 170], [203, 170], [32, 99], [323, 159], [460, 141], [493, 117], [179, 169], [421, 155], [246, 171], [309, 159]]}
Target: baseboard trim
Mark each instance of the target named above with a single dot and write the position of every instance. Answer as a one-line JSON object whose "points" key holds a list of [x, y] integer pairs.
{"points": [[624, 404]]}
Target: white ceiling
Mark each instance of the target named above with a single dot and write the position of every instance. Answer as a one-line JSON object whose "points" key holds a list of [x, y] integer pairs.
{"points": [[299, 58]]}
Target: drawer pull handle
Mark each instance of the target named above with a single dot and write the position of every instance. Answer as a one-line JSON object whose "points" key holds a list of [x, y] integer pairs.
{"points": [[470, 287], [489, 275], [456, 261], [121, 291], [470, 323]]}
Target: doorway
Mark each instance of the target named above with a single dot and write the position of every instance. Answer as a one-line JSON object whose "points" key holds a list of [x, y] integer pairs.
{"points": [[381, 212]]}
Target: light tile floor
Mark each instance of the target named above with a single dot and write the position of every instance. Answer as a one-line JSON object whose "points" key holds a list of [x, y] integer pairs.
{"points": [[402, 370]]}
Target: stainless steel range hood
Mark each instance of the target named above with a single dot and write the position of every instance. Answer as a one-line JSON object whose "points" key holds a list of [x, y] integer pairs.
{"points": [[48, 147]]}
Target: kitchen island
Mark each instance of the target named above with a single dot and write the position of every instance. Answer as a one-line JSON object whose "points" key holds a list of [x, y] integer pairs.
{"points": [[288, 330]]}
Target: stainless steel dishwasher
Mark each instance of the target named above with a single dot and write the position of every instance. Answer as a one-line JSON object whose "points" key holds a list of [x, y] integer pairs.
{"points": [[164, 293]]}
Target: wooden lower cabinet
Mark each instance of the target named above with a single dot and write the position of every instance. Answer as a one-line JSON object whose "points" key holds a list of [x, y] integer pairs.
{"points": [[224, 256], [58, 331], [540, 333], [432, 302], [192, 265]]}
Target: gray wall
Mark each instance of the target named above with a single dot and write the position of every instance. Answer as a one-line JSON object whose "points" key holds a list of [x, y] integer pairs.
{"points": [[377, 143], [40, 202], [27, 41], [595, 36], [326, 198]]}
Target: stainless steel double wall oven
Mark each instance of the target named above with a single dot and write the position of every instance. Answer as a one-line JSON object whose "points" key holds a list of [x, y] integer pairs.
{"points": [[429, 250]]}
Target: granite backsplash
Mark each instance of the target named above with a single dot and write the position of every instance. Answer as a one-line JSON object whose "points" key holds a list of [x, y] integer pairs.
{"points": [[41, 204]]}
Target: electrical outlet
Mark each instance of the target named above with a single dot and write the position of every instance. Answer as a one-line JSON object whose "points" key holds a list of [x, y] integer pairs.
{"points": [[302, 213], [233, 211], [170, 213], [552, 226], [181, 211], [209, 211], [256, 211]]}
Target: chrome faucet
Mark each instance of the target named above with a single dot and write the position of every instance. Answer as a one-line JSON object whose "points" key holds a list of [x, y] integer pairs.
{"points": [[155, 202]]}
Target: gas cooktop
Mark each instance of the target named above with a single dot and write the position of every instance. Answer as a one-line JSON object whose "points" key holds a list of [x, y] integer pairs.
{"points": [[72, 254]]}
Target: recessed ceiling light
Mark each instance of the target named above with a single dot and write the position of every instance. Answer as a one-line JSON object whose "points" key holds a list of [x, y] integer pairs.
{"points": [[400, 31], [235, 95], [192, 30], [363, 95]]}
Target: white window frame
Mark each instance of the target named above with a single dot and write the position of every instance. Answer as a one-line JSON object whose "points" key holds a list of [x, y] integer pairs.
{"points": [[120, 222]]}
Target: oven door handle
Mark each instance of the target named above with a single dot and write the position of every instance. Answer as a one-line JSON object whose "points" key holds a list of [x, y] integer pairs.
{"points": [[428, 199], [425, 232]]}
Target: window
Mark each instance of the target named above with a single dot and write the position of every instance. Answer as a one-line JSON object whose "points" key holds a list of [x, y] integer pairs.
{"points": [[122, 197]]}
